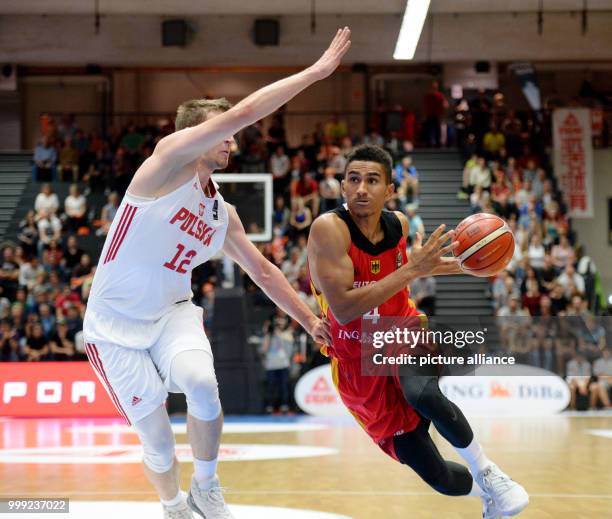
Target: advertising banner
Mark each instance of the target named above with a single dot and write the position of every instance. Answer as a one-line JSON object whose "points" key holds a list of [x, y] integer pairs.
{"points": [[540, 393], [573, 159], [316, 394], [59, 389]]}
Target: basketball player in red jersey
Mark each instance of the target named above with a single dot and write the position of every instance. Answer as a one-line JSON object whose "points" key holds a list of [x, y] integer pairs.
{"points": [[396, 412]]}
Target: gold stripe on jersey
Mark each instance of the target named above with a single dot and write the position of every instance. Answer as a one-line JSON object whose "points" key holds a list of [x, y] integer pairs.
{"points": [[324, 306], [335, 380], [321, 301]]}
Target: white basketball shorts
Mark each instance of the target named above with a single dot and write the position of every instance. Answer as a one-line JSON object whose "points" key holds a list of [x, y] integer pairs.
{"points": [[132, 358]]}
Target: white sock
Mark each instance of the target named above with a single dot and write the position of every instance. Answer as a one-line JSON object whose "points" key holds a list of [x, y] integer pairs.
{"points": [[476, 490], [204, 472], [474, 457], [173, 502]]}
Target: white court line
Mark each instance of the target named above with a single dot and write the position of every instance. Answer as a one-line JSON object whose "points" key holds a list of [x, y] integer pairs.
{"points": [[587, 414], [228, 428], [368, 493], [132, 453], [602, 433], [131, 509]]}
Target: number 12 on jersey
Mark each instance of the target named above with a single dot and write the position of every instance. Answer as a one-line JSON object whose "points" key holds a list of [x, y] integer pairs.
{"points": [[187, 257]]}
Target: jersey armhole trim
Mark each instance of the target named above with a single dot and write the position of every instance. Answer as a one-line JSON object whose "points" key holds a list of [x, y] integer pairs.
{"points": [[145, 200], [141, 199]]}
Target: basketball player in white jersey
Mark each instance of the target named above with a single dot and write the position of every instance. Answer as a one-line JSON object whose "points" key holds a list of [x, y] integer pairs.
{"points": [[143, 335]]}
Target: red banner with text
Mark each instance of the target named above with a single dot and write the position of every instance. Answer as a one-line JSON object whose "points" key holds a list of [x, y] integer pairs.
{"points": [[573, 159], [59, 389]]}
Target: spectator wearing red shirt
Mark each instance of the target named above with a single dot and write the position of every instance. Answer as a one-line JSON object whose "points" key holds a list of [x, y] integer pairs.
{"points": [[307, 188], [66, 299], [500, 188], [435, 105], [528, 159], [53, 254]]}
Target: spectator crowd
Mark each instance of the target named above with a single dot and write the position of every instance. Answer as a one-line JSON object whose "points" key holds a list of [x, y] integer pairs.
{"points": [[45, 277], [548, 298]]}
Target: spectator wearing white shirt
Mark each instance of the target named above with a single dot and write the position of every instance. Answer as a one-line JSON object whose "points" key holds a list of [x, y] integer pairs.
{"points": [[570, 278], [563, 253], [291, 267], [46, 200], [49, 228], [279, 167], [29, 271], [75, 207], [330, 191], [536, 252], [480, 174]]}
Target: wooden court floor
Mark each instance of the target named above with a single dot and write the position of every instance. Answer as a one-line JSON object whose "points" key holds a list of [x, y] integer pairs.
{"points": [[564, 461]]}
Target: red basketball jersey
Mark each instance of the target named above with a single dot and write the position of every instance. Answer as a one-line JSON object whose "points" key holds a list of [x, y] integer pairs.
{"points": [[372, 262]]}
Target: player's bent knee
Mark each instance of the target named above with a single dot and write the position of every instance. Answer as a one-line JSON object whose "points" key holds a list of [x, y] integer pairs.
{"points": [[454, 480], [203, 397], [441, 482], [201, 386], [206, 409]]}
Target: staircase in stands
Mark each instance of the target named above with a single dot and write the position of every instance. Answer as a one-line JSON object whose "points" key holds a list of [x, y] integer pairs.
{"points": [[15, 174], [440, 174]]}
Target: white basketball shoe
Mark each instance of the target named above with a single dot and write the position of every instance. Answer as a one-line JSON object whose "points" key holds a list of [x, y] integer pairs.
{"points": [[489, 510], [208, 503], [180, 511], [508, 496]]}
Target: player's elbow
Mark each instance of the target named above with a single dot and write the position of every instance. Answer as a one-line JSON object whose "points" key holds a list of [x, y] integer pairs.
{"points": [[264, 278], [263, 274]]}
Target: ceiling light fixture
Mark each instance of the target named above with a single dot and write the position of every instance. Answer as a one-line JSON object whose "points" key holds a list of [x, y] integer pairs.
{"points": [[410, 31]]}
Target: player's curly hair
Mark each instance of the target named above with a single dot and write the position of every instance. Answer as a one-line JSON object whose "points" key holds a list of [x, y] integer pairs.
{"points": [[370, 153], [193, 112]]}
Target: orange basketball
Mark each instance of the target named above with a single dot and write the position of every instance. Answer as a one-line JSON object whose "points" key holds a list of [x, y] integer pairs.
{"points": [[486, 244]]}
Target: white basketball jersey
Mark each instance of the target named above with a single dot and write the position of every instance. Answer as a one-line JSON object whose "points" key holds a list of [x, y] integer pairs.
{"points": [[151, 248]]}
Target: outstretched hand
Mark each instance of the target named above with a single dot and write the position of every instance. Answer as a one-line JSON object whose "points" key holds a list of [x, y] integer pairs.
{"points": [[429, 259], [321, 332], [333, 55]]}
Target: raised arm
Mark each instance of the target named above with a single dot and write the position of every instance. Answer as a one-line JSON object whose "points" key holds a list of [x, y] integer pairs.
{"points": [[182, 147], [332, 269]]}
